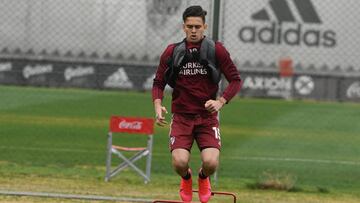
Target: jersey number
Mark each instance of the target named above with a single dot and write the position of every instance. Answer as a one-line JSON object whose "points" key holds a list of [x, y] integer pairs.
{"points": [[217, 133]]}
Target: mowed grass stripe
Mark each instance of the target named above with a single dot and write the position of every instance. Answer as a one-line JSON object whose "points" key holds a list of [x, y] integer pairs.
{"points": [[248, 158], [52, 120], [226, 130], [53, 129]]}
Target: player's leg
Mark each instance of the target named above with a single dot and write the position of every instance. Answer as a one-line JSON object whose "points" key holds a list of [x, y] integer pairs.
{"points": [[208, 140], [181, 140], [210, 161], [180, 162]]}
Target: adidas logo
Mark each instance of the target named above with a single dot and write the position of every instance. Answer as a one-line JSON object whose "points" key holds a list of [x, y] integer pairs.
{"points": [[288, 25], [119, 79], [283, 13], [148, 84]]}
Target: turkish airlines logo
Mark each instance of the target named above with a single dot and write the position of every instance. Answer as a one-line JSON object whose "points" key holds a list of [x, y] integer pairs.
{"points": [[278, 33], [135, 125], [193, 68]]}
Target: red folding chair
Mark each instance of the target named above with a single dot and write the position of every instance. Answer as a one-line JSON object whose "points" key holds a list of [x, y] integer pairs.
{"points": [[132, 125]]}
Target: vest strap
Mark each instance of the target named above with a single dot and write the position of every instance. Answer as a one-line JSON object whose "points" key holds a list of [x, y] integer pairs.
{"points": [[180, 56]]}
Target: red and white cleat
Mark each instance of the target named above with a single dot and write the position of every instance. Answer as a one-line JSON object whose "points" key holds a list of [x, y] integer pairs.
{"points": [[204, 189], [186, 189]]}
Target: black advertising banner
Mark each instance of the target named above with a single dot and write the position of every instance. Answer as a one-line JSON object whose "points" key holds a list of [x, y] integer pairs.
{"points": [[70, 74], [257, 84], [300, 86], [350, 89], [309, 87], [11, 72], [140, 77]]}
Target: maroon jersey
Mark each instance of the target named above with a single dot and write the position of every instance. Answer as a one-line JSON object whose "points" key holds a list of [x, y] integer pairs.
{"points": [[193, 85]]}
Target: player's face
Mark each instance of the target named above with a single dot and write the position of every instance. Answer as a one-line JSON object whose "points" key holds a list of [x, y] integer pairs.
{"points": [[194, 28]]}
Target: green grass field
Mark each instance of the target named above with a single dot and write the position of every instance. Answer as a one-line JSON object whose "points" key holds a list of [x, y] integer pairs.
{"points": [[54, 140]]}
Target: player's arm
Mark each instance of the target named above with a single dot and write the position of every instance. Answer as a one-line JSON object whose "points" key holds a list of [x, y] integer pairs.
{"points": [[231, 74], [215, 105], [159, 86], [160, 110]]}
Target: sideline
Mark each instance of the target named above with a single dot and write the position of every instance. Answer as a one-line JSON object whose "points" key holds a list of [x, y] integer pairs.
{"points": [[73, 196], [246, 158], [320, 161]]}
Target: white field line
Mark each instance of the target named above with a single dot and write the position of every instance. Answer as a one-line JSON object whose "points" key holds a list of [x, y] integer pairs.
{"points": [[319, 161], [254, 158], [73, 196], [50, 149]]}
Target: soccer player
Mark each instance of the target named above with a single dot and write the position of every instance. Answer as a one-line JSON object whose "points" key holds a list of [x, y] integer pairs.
{"points": [[192, 68]]}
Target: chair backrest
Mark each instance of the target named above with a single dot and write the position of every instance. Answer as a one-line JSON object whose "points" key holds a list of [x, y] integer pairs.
{"points": [[136, 125], [132, 125]]}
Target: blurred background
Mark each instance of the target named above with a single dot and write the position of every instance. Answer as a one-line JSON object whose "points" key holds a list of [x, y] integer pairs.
{"points": [[116, 44]]}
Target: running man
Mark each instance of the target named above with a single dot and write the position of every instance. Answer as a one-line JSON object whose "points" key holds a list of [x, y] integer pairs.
{"points": [[193, 68]]}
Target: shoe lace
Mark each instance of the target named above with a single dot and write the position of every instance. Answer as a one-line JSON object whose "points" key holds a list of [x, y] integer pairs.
{"points": [[205, 185], [185, 184]]}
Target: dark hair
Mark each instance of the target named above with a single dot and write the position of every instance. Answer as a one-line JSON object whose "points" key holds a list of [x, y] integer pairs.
{"points": [[194, 11]]}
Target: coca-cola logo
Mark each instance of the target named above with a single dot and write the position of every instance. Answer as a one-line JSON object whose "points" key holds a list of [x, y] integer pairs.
{"points": [[354, 90], [135, 125]]}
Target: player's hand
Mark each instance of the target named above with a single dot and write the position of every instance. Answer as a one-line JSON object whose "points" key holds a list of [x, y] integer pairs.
{"points": [[159, 114], [214, 105]]}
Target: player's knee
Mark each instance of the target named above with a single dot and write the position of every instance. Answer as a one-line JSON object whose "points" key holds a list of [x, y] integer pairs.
{"points": [[179, 162], [210, 163]]}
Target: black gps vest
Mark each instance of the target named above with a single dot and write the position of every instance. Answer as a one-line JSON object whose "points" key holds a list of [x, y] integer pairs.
{"points": [[180, 56]]}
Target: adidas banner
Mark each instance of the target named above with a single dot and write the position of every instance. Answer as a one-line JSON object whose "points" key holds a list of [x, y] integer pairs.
{"points": [[316, 34]]}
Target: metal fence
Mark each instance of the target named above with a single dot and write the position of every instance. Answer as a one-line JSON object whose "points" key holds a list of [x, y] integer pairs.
{"points": [[108, 30], [117, 43], [319, 35]]}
